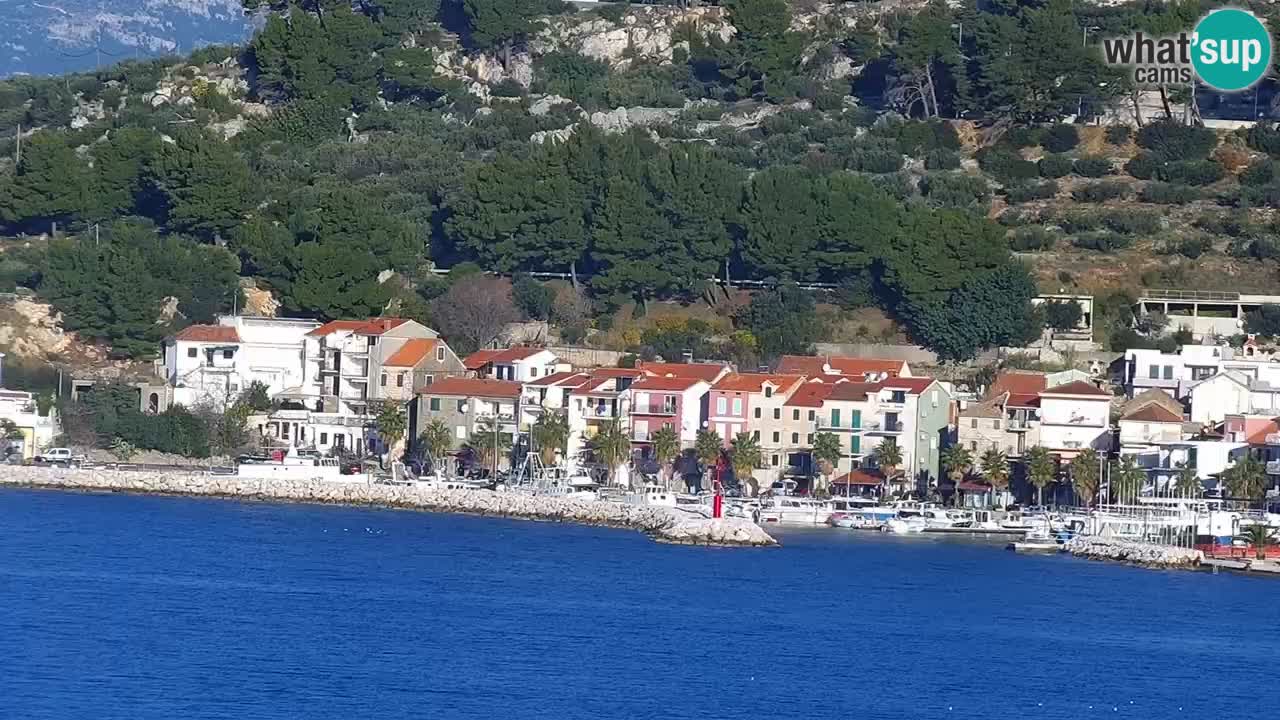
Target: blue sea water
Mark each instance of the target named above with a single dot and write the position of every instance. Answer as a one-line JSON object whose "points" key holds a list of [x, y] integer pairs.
{"points": [[159, 608]]}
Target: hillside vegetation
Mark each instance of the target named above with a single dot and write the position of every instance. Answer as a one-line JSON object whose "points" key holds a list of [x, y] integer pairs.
{"points": [[918, 159]]}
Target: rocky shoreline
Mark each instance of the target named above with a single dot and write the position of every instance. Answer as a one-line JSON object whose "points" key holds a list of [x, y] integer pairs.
{"points": [[1145, 555], [661, 524]]}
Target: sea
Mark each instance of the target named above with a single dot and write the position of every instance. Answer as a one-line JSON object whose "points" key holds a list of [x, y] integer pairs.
{"points": [[141, 608]]}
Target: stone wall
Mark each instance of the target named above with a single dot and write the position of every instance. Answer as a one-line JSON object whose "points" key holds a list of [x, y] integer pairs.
{"points": [[662, 524]]}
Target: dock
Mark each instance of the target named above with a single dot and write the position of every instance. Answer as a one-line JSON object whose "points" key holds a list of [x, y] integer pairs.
{"points": [[1242, 565]]}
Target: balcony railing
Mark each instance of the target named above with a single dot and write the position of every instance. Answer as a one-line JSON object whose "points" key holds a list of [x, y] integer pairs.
{"points": [[826, 426], [1022, 425], [654, 409], [640, 435], [599, 412], [884, 427], [1273, 467]]}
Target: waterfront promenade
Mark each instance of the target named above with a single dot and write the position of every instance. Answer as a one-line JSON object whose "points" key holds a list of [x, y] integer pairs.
{"points": [[662, 524]]}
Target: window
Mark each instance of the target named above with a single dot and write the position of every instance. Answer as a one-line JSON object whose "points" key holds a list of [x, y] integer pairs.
{"points": [[284, 431], [973, 446], [440, 354], [1168, 372], [755, 435], [777, 413], [721, 406], [857, 419], [773, 460], [462, 406], [191, 352], [855, 444], [757, 413], [533, 372], [1154, 371], [835, 417], [898, 396], [324, 438], [384, 380], [400, 380], [973, 423], [795, 414], [995, 424], [461, 432], [226, 354], [777, 436], [810, 438], [434, 404], [768, 391], [812, 415], [737, 406], [795, 437], [372, 340]]}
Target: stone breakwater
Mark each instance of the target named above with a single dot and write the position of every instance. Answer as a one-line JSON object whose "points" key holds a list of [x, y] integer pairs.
{"points": [[1156, 556], [662, 524]]}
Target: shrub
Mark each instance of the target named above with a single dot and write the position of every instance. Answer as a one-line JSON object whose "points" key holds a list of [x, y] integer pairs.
{"points": [[1232, 224], [1005, 165], [1079, 221], [612, 13], [1118, 134], [1097, 192], [1264, 137], [955, 189], [1092, 167], [1054, 166], [1017, 218], [1031, 191], [941, 159], [1028, 239], [1259, 172], [1191, 172], [1024, 137], [1102, 240], [507, 88], [1192, 247], [1129, 222], [898, 185], [1167, 194], [1173, 140], [1144, 166], [871, 160], [1264, 196], [534, 299], [915, 137], [1061, 138]]}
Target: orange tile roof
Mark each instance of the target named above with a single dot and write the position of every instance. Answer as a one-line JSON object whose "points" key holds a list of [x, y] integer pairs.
{"points": [[209, 334], [372, 326], [1018, 383], [914, 385], [472, 387], [1153, 413], [673, 384], [559, 378], [411, 353], [859, 477], [1260, 437], [811, 394], [754, 382], [1079, 387], [806, 365], [701, 371]]}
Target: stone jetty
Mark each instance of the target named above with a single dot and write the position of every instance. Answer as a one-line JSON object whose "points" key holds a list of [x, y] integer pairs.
{"points": [[1135, 553], [662, 524]]}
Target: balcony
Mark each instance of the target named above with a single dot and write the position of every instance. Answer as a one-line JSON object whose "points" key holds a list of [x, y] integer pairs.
{"points": [[826, 426], [1272, 439], [640, 435], [596, 411], [885, 427], [1021, 426], [1273, 467], [654, 409]]}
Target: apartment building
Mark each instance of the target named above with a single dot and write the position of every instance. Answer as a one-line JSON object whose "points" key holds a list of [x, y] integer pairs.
{"points": [[1073, 417], [867, 369], [470, 407], [668, 401], [417, 363], [753, 403], [517, 364]]}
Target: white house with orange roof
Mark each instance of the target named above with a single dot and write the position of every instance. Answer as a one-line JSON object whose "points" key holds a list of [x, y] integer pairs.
{"points": [[603, 397], [1073, 417], [864, 369], [518, 364]]}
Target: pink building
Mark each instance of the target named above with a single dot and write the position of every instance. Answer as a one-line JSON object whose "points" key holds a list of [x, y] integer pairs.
{"points": [[676, 402]]}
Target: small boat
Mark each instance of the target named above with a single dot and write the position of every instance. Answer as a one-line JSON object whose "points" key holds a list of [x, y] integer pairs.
{"points": [[294, 465], [651, 495], [794, 510], [1036, 542], [859, 513]]}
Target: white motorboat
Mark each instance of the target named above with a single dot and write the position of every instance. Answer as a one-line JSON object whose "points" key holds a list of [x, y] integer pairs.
{"points": [[1036, 542], [295, 465], [906, 524], [651, 495], [859, 513], [794, 510]]}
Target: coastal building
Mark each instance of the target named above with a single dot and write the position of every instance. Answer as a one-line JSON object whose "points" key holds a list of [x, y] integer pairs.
{"points": [[604, 397], [32, 430], [1007, 418], [800, 423], [709, 372], [1073, 417], [659, 401], [417, 363], [472, 408], [753, 403], [518, 364], [1144, 430], [841, 413], [1232, 392], [1177, 373]]}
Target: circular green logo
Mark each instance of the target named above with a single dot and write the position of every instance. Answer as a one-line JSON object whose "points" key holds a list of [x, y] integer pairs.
{"points": [[1231, 50]]}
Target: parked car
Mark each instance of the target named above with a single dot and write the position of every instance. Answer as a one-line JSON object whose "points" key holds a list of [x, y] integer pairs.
{"points": [[59, 456]]}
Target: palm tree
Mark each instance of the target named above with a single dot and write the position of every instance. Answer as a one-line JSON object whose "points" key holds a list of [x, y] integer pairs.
{"points": [[707, 447], [826, 450], [391, 424], [490, 442], [1126, 480], [437, 440], [995, 468], [1188, 483], [666, 448], [956, 462], [745, 456], [1259, 536], [888, 457], [1246, 480], [1084, 475], [611, 446], [1040, 470], [551, 433]]}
